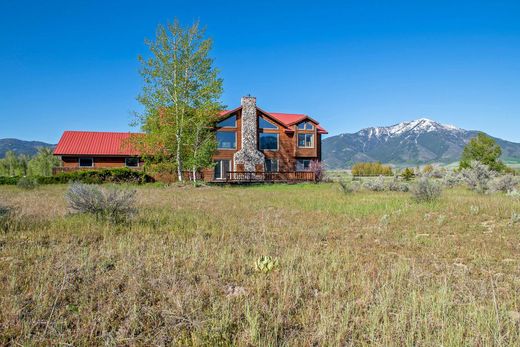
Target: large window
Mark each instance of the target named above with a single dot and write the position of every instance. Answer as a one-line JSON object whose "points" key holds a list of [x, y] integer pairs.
{"points": [[86, 162], [265, 124], [230, 122], [305, 126], [222, 167], [271, 165], [227, 139], [303, 164], [132, 162], [268, 142], [306, 140]]}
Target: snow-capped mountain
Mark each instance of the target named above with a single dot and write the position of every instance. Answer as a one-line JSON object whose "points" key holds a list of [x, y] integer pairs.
{"points": [[413, 142]]}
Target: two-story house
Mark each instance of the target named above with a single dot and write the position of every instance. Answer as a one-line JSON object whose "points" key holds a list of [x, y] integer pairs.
{"points": [[250, 140]]}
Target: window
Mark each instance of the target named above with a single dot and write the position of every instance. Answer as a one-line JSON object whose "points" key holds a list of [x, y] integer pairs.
{"points": [[271, 165], [86, 162], [268, 142], [230, 122], [303, 164], [306, 140], [227, 139], [132, 162], [222, 167], [265, 124], [305, 126]]}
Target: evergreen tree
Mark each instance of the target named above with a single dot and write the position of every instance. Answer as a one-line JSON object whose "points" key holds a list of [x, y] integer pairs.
{"points": [[483, 149]]}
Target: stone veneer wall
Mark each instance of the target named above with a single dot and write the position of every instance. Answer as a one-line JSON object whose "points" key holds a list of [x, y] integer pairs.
{"points": [[249, 155]]}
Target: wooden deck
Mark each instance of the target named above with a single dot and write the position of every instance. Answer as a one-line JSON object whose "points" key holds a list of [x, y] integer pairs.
{"points": [[236, 177]]}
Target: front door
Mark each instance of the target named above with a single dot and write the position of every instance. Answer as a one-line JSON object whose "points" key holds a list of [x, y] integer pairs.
{"points": [[222, 168]]}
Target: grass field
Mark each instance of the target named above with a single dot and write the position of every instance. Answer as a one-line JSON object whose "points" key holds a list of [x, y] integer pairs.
{"points": [[363, 269]]}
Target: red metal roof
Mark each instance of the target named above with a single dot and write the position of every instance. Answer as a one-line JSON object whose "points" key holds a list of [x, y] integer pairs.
{"points": [[95, 143]]}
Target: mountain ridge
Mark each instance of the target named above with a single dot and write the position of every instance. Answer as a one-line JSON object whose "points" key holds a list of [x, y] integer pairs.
{"points": [[416, 142], [21, 146]]}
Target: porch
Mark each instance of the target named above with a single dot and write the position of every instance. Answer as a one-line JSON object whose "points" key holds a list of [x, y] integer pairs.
{"points": [[238, 177]]}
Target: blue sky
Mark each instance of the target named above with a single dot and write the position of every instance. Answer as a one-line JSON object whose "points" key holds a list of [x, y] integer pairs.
{"points": [[349, 64]]}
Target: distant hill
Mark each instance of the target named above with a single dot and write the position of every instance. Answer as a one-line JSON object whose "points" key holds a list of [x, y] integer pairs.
{"points": [[415, 142], [21, 147]]}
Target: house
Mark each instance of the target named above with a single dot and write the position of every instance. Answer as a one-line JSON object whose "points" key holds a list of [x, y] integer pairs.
{"points": [[252, 144]]}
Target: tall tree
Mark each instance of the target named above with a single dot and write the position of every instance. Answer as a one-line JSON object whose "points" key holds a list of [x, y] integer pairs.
{"points": [[43, 162], [180, 96], [483, 149]]}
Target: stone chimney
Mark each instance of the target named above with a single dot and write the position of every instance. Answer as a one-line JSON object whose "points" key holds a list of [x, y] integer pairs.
{"points": [[249, 155]]}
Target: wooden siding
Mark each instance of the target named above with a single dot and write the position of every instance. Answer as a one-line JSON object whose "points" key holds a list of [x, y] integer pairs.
{"points": [[99, 162]]}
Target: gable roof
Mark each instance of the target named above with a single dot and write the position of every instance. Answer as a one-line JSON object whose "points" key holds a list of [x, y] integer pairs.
{"points": [[285, 119], [95, 143]]}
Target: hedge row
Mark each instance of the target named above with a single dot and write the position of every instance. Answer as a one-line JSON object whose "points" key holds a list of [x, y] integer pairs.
{"points": [[123, 175]]}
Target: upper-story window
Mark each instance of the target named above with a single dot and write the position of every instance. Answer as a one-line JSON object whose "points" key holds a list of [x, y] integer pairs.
{"points": [[265, 124], [305, 140], [226, 140], [268, 141], [305, 126], [230, 122]]}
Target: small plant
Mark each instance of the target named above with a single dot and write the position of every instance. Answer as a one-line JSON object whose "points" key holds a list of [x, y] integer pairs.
{"points": [[375, 185], [408, 174], [266, 264], [5, 213], [396, 186], [477, 177], [474, 210], [426, 190], [27, 183], [515, 218], [505, 183], [348, 187], [514, 194], [114, 204]]}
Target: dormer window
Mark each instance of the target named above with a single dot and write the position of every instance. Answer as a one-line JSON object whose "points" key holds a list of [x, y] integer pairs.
{"points": [[230, 122], [265, 124], [305, 126]]}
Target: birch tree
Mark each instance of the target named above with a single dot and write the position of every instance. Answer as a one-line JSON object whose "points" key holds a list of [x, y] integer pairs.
{"points": [[180, 96]]}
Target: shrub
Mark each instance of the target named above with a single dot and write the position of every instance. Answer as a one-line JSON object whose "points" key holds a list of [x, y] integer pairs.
{"points": [[427, 169], [477, 177], [7, 180], [266, 264], [113, 204], [426, 190], [408, 174], [26, 183], [348, 187], [505, 183], [396, 186], [317, 167], [5, 218], [371, 169], [514, 194], [451, 179], [376, 185], [515, 218]]}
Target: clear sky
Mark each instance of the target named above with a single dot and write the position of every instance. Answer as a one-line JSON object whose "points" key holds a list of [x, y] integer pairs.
{"points": [[350, 64]]}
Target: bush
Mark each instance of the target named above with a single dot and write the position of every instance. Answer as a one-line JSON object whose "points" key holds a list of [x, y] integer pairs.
{"points": [[408, 174], [5, 218], [319, 172], [371, 169], [376, 185], [514, 194], [349, 187], [426, 190], [451, 179], [27, 183], [477, 177], [113, 204], [504, 183], [396, 186], [7, 180]]}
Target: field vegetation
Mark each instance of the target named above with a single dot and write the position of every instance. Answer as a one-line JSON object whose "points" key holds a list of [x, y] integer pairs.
{"points": [[306, 264]]}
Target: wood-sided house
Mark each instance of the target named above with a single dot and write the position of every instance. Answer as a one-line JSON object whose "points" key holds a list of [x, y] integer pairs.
{"points": [[252, 144]]}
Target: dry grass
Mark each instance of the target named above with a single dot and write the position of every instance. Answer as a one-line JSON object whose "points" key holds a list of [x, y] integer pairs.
{"points": [[363, 269]]}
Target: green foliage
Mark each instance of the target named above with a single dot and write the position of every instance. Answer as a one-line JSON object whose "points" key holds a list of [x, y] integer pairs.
{"points": [[408, 174], [426, 190], [43, 162], [123, 175], [266, 264], [27, 183], [371, 169], [485, 150], [180, 98], [14, 165]]}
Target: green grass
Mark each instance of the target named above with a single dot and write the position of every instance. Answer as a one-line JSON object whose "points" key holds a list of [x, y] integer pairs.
{"points": [[362, 269]]}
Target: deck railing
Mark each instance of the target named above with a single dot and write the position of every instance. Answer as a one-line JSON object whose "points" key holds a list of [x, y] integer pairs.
{"points": [[260, 176], [61, 169]]}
